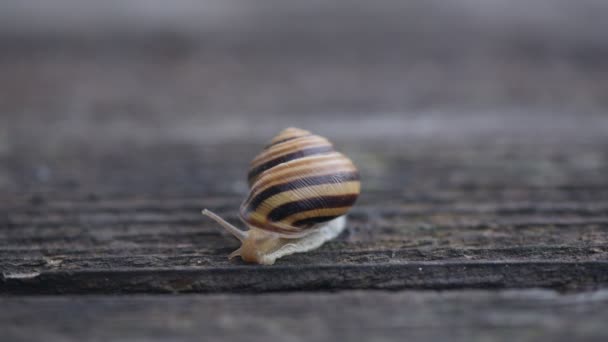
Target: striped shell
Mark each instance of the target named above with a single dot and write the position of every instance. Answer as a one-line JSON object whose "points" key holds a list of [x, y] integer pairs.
{"points": [[298, 182]]}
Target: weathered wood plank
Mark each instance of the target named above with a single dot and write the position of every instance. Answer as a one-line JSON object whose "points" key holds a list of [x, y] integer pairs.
{"points": [[484, 160], [120, 246], [391, 275], [432, 215], [530, 315]]}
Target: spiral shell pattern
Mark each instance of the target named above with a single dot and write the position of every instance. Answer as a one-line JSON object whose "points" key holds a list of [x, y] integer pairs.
{"points": [[297, 182]]}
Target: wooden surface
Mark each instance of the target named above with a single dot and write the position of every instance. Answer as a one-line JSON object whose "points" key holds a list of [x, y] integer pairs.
{"points": [[434, 213], [484, 166], [524, 315]]}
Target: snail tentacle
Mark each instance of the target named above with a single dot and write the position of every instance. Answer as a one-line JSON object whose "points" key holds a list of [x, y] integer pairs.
{"points": [[237, 233]]}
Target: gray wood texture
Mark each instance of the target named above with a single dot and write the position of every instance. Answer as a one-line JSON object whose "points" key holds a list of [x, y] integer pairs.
{"points": [[98, 201], [523, 315], [480, 132], [435, 213]]}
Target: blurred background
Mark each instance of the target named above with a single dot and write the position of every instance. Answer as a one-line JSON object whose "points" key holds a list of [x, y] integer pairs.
{"points": [[479, 127], [115, 80]]}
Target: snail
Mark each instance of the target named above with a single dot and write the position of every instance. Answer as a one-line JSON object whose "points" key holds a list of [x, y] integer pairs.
{"points": [[300, 189]]}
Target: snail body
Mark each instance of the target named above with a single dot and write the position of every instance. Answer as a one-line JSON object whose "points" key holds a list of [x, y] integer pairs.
{"points": [[300, 190]]}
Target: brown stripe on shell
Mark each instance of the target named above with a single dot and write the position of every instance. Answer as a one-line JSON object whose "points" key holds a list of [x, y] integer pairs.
{"points": [[311, 221], [256, 171], [336, 177], [295, 219], [287, 133], [313, 191], [305, 206], [285, 210], [278, 142], [303, 167], [289, 147]]}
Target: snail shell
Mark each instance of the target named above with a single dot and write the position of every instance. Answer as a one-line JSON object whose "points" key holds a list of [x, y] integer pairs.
{"points": [[300, 190]]}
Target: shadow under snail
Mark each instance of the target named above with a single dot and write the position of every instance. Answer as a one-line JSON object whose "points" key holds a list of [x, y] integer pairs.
{"points": [[300, 189]]}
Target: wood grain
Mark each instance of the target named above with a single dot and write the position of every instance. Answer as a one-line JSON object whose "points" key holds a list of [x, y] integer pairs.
{"points": [[431, 216], [483, 160], [527, 315], [480, 132]]}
